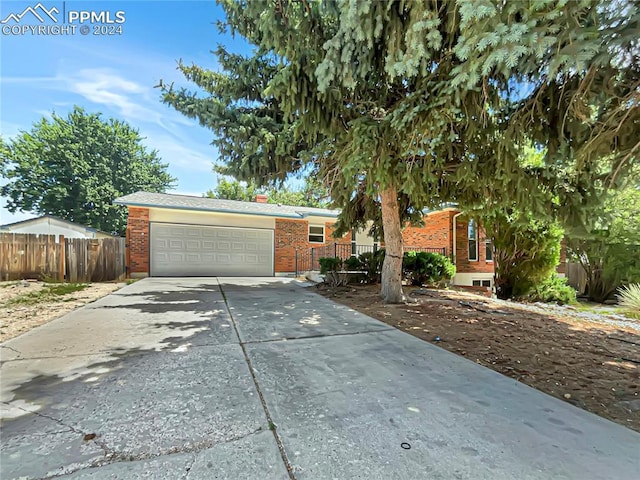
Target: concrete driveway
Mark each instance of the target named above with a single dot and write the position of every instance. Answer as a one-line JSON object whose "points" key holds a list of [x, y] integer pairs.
{"points": [[263, 379]]}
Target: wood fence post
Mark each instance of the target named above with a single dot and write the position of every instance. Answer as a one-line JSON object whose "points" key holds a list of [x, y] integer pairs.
{"points": [[63, 253]]}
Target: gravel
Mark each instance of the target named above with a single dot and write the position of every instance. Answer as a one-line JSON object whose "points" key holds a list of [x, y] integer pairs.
{"points": [[606, 316]]}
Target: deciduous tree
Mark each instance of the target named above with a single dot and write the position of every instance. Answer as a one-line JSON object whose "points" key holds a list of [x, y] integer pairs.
{"points": [[609, 251], [311, 194], [75, 167]]}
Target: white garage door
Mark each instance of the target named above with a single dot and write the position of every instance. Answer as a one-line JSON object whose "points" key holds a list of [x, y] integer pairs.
{"points": [[194, 250]]}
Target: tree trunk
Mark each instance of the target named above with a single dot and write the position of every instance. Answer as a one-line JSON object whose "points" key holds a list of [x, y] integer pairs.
{"points": [[392, 267]]}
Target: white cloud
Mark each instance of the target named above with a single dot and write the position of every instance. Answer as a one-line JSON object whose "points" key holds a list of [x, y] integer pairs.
{"points": [[131, 100], [106, 88], [178, 155], [180, 141], [41, 81]]}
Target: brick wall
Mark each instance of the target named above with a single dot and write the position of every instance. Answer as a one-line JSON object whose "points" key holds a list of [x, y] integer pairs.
{"points": [[436, 232], [463, 264], [293, 235], [138, 230]]}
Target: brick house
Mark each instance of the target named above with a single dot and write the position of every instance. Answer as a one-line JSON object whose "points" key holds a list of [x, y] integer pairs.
{"points": [[179, 235]]}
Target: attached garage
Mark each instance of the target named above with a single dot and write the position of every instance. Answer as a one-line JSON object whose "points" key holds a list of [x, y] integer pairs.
{"points": [[186, 236], [197, 250]]}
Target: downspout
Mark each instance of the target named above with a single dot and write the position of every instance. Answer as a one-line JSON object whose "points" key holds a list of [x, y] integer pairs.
{"points": [[454, 254]]}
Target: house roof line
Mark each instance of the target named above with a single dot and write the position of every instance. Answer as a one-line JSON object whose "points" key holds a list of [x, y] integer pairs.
{"points": [[58, 219], [298, 215], [204, 204], [234, 207]]}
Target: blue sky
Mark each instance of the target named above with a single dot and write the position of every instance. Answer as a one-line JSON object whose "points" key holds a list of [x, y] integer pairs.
{"points": [[115, 75]]}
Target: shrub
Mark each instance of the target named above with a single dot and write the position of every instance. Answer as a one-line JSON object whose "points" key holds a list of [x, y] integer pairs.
{"points": [[372, 264], [329, 264], [527, 250], [352, 264], [629, 299], [427, 268], [607, 263], [553, 289]]}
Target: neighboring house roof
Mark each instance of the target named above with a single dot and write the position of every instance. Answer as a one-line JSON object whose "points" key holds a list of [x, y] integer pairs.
{"points": [[186, 202], [47, 219]]}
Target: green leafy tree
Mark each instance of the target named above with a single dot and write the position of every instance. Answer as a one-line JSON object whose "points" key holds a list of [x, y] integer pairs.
{"points": [[405, 105], [311, 194], [234, 190], [609, 251], [526, 251], [75, 167]]}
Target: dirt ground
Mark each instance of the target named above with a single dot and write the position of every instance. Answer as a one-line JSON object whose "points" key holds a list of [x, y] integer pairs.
{"points": [[18, 318], [593, 365]]}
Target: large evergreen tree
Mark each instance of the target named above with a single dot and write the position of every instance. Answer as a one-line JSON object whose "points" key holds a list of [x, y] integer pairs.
{"points": [[74, 167], [402, 105]]}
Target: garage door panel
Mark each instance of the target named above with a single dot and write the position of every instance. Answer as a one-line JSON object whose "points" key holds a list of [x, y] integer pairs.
{"points": [[239, 247], [223, 258], [194, 250]]}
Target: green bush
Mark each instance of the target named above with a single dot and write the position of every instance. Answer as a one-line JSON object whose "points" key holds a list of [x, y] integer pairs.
{"points": [[527, 250], [553, 289], [352, 264], [372, 264], [421, 268], [629, 299], [329, 264]]}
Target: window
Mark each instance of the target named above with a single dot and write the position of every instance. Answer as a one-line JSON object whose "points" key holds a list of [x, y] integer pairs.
{"points": [[316, 234], [472, 233], [489, 252], [354, 246], [481, 283]]}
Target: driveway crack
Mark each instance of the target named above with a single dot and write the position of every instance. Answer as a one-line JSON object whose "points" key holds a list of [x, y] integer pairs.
{"points": [[11, 348], [188, 469], [70, 428], [121, 457], [322, 335]]}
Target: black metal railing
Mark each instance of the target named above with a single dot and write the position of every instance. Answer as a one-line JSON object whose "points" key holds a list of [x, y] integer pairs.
{"points": [[308, 260]]}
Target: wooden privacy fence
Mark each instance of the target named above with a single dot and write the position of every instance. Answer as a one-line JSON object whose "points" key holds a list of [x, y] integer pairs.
{"points": [[94, 260], [71, 259], [577, 277], [25, 255]]}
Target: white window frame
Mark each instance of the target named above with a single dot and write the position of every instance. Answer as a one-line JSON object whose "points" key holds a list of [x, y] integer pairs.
{"points": [[481, 282], [309, 234], [354, 243], [470, 225], [488, 247]]}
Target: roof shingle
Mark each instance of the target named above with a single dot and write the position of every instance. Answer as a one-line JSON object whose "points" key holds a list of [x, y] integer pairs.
{"points": [[186, 202]]}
